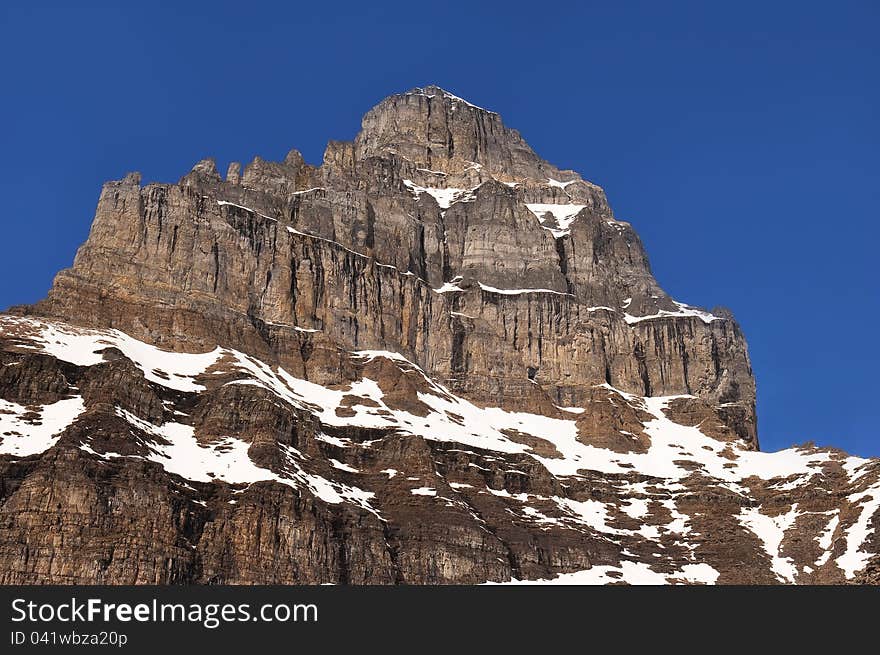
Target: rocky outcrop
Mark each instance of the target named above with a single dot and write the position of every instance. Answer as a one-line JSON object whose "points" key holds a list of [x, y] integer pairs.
{"points": [[126, 464], [434, 358], [361, 248]]}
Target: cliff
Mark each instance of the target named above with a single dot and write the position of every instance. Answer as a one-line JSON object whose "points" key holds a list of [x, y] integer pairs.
{"points": [[434, 358]]}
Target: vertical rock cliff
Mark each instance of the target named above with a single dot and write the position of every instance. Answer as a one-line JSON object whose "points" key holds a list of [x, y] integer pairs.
{"points": [[433, 358]]}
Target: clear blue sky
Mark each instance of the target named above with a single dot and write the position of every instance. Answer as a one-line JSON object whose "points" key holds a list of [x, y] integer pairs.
{"points": [[741, 140]]}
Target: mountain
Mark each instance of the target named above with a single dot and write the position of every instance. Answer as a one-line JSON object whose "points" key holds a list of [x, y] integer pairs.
{"points": [[434, 358]]}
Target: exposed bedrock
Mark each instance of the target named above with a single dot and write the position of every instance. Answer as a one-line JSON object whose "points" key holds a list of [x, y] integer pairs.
{"points": [[433, 358], [286, 260]]}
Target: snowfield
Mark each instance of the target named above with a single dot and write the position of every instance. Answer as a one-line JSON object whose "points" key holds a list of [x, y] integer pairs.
{"points": [[676, 451]]}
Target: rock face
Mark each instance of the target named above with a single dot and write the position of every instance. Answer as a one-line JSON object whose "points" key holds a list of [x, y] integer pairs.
{"points": [[434, 358]]}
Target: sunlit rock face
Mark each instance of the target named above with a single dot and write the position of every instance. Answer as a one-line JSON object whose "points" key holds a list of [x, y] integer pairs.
{"points": [[434, 358]]}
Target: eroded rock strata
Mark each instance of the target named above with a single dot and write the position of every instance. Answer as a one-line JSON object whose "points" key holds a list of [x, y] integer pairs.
{"points": [[434, 358]]}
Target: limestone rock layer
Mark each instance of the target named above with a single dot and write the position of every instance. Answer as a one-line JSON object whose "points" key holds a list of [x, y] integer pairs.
{"points": [[433, 358]]}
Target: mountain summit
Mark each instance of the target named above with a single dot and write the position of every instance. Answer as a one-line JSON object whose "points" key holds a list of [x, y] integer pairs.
{"points": [[434, 358], [439, 131]]}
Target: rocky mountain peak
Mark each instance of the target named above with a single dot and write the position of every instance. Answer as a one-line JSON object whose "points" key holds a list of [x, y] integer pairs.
{"points": [[440, 131], [434, 91], [435, 358]]}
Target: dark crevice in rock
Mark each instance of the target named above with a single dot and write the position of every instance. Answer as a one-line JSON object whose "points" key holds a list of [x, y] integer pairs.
{"points": [[215, 252], [563, 264], [639, 353]]}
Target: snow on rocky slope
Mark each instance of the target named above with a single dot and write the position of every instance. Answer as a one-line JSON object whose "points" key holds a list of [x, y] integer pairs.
{"points": [[435, 358], [654, 511]]}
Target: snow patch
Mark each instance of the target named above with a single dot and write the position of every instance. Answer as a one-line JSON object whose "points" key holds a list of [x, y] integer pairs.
{"points": [[82, 347], [444, 197], [423, 491], [563, 215], [856, 467], [771, 531], [227, 460], [855, 559], [636, 508], [22, 434], [632, 573], [452, 285], [342, 466], [558, 184], [826, 538], [572, 410], [683, 311]]}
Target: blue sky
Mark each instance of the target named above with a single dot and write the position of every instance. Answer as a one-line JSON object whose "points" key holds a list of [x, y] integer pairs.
{"points": [[741, 141]]}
